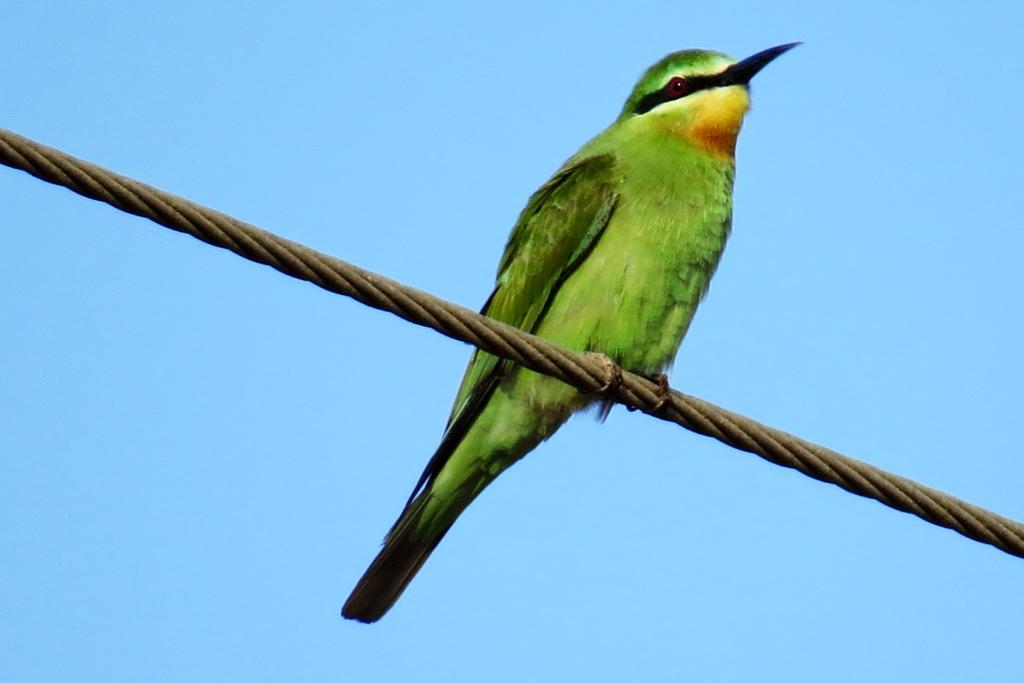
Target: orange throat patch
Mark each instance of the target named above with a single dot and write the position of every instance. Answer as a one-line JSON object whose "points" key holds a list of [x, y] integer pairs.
{"points": [[717, 116], [717, 138]]}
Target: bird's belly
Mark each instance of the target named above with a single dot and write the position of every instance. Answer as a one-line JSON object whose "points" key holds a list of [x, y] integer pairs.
{"points": [[635, 295]]}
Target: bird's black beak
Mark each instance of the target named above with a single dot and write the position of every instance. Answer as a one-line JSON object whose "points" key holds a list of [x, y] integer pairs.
{"points": [[741, 72]]}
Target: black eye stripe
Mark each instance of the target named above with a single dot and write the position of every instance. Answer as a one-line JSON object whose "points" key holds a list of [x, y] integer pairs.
{"points": [[666, 94]]}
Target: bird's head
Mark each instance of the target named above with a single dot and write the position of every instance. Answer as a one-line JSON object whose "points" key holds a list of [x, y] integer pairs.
{"points": [[698, 95]]}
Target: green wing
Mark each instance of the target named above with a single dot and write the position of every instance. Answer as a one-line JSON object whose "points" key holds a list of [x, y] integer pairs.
{"points": [[559, 226]]}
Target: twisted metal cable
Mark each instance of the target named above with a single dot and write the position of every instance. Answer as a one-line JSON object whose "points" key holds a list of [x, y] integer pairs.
{"points": [[579, 370]]}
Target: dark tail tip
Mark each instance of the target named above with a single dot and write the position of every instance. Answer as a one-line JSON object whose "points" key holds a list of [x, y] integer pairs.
{"points": [[387, 577]]}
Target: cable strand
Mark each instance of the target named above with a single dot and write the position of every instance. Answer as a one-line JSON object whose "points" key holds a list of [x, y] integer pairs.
{"points": [[413, 305]]}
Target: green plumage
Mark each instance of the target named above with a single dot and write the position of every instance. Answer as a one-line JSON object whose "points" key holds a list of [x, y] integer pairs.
{"points": [[611, 255]]}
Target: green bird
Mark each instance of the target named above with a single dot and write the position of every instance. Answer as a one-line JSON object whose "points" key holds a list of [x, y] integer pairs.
{"points": [[612, 255]]}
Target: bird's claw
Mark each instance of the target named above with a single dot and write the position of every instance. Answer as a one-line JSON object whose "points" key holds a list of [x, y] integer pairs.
{"points": [[664, 392], [612, 371]]}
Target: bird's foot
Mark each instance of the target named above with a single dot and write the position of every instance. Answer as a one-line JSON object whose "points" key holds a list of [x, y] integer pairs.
{"points": [[613, 372], [664, 392]]}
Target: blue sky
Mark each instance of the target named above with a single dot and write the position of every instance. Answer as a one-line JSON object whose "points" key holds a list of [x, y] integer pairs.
{"points": [[199, 456]]}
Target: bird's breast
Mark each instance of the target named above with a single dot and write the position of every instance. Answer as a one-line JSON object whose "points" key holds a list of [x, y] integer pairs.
{"points": [[635, 295]]}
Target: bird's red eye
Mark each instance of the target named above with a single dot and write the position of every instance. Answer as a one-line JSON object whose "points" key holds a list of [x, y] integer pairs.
{"points": [[677, 86]]}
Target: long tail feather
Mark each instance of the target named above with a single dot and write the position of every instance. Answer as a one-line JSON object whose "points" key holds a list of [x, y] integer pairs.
{"points": [[395, 566]]}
